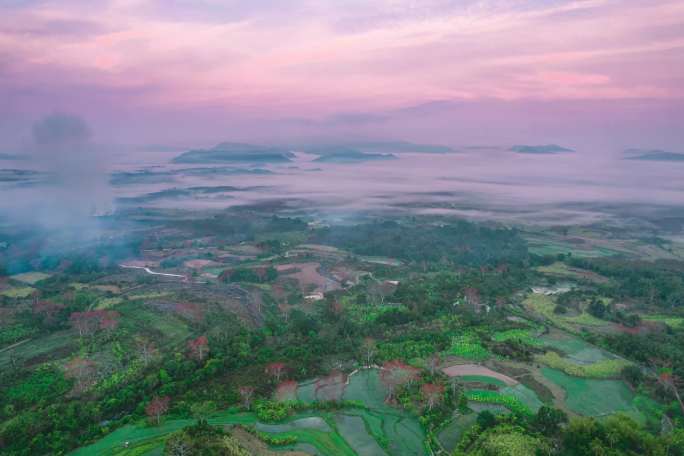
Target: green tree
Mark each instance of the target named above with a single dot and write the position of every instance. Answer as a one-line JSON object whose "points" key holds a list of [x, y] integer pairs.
{"points": [[548, 420]]}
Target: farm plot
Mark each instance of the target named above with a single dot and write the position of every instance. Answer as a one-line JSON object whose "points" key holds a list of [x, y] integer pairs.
{"points": [[58, 344], [545, 247], [468, 347], [671, 321], [526, 336], [399, 429], [353, 429], [30, 278], [509, 401], [559, 269], [475, 372], [18, 292], [451, 433], [544, 305], [571, 345], [591, 397], [144, 439], [524, 395], [307, 276], [607, 368]]}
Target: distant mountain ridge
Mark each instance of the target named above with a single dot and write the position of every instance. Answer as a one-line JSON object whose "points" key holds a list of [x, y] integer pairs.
{"points": [[4, 156], [228, 152], [654, 155], [541, 149], [379, 147], [346, 155]]}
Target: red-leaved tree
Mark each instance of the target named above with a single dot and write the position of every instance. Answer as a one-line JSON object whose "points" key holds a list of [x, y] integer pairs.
{"points": [[369, 349], [189, 310], [86, 323], [275, 370], [47, 310], [199, 348], [432, 394], [83, 371], [109, 321], [668, 380], [157, 407], [89, 322], [394, 374], [246, 393], [433, 363], [147, 351], [331, 387], [286, 391]]}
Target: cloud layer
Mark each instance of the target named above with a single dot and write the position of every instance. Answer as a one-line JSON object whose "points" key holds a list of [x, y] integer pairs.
{"points": [[307, 66]]}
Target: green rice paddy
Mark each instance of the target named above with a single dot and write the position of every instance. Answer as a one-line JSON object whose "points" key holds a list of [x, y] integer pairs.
{"points": [[592, 397]]}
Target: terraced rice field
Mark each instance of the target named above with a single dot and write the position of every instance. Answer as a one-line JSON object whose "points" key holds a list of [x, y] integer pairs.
{"points": [[144, 439], [450, 435], [380, 430], [525, 395], [593, 397], [400, 430]]}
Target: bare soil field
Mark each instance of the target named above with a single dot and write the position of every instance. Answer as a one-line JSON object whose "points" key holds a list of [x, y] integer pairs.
{"points": [[308, 276], [199, 264], [460, 370]]}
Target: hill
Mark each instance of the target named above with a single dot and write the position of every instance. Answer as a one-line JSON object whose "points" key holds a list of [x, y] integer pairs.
{"points": [[236, 153]]}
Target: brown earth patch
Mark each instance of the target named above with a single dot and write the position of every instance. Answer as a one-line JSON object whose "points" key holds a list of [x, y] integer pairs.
{"points": [[460, 370]]}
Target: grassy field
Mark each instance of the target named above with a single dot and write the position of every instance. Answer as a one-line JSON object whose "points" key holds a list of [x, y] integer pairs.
{"points": [[544, 305], [18, 292], [539, 247], [60, 341], [671, 321], [30, 277], [106, 303], [562, 270], [523, 335]]}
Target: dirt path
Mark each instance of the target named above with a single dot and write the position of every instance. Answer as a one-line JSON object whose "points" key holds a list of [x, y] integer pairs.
{"points": [[149, 271], [14, 345]]}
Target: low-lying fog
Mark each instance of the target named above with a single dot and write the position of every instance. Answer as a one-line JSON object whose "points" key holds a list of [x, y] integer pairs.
{"points": [[477, 182]]}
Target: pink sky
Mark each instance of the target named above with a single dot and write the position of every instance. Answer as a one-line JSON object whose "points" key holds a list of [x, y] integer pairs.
{"points": [[502, 70]]}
